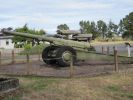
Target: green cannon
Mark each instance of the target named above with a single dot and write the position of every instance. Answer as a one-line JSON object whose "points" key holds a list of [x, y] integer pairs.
{"points": [[60, 51], [77, 35]]}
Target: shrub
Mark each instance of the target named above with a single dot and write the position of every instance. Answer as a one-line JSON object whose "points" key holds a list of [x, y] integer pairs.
{"points": [[27, 47]]}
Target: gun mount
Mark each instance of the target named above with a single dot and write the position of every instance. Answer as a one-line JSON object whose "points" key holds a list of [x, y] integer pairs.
{"points": [[60, 50], [76, 35]]}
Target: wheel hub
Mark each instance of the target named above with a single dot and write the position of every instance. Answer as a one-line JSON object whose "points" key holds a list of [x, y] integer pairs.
{"points": [[66, 56]]}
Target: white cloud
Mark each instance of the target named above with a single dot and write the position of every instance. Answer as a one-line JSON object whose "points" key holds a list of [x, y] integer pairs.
{"points": [[85, 5], [48, 14]]}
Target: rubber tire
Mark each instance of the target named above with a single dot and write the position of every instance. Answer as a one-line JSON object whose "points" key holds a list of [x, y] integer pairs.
{"points": [[60, 51], [45, 55]]}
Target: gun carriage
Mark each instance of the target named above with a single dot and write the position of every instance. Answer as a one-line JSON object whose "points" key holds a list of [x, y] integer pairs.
{"points": [[60, 51]]}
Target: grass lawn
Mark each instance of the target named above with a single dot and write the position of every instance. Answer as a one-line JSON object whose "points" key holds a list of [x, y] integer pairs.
{"points": [[94, 43], [117, 86], [93, 56], [100, 57]]}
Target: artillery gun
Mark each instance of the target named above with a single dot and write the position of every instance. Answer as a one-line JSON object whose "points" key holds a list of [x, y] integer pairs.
{"points": [[60, 51]]}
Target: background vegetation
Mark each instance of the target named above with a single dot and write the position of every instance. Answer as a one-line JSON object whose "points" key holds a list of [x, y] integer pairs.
{"points": [[107, 31], [101, 31]]}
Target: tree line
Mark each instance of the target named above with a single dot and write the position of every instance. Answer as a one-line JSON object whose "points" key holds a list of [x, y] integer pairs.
{"points": [[98, 29], [106, 30]]}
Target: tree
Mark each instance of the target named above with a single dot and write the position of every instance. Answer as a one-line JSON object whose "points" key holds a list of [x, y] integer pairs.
{"points": [[20, 39], [102, 28], [89, 28], [41, 32], [128, 26], [94, 30], [121, 28], [26, 29], [86, 26], [112, 30], [62, 27]]}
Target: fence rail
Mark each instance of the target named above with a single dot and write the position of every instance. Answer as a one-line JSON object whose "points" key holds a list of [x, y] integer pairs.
{"points": [[110, 59], [15, 56]]}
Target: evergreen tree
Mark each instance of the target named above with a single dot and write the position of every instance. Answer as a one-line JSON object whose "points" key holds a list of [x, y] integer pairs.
{"points": [[102, 28], [112, 30], [63, 27], [128, 26]]}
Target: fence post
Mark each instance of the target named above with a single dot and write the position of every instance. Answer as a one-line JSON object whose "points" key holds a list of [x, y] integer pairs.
{"points": [[116, 59], [28, 63], [102, 50], [13, 57], [0, 58], [27, 57], [39, 55], [129, 50], [108, 50], [71, 67]]}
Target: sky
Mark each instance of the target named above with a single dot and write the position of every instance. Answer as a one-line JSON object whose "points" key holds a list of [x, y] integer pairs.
{"points": [[48, 14]]}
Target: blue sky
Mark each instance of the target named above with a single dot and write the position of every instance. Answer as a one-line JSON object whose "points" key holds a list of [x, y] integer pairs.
{"points": [[47, 14]]}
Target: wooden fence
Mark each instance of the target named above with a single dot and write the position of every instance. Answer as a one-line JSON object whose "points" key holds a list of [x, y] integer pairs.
{"points": [[13, 57]]}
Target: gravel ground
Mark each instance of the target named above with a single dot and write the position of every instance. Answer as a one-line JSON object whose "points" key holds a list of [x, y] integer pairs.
{"points": [[39, 68]]}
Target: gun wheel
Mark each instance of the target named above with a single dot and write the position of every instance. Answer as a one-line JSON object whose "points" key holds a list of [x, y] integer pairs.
{"points": [[64, 55], [47, 55]]}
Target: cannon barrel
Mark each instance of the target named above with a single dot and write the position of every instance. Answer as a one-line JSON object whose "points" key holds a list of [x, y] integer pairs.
{"points": [[39, 37], [56, 41]]}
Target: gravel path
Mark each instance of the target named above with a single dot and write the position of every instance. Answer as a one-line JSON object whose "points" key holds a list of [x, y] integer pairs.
{"points": [[87, 68]]}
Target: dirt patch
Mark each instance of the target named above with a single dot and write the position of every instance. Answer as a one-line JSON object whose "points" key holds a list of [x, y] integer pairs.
{"points": [[86, 68]]}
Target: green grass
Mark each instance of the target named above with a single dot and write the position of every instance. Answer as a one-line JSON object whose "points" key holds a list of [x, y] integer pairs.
{"points": [[93, 56], [32, 84], [17, 97], [108, 43], [119, 91], [118, 86], [38, 84], [34, 50], [100, 57], [130, 95], [113, 88]]}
